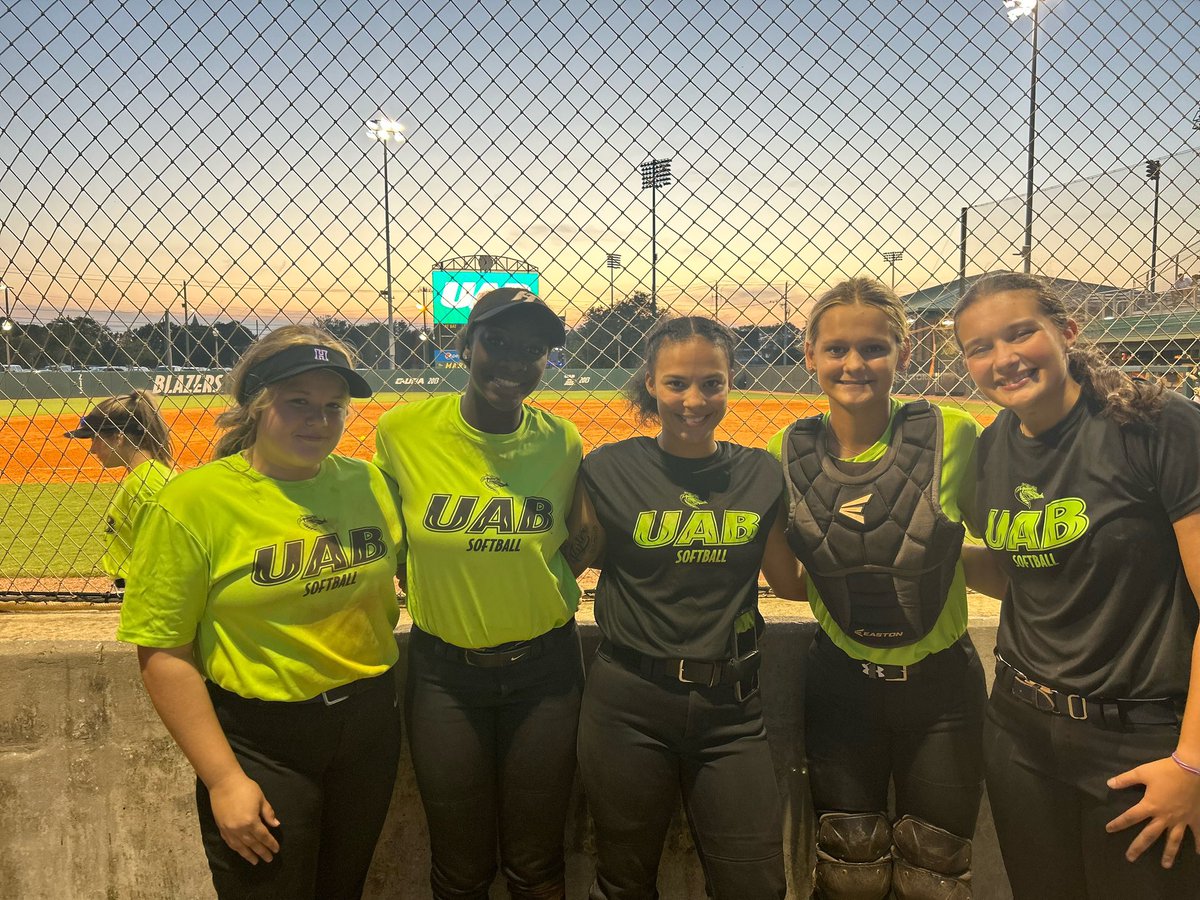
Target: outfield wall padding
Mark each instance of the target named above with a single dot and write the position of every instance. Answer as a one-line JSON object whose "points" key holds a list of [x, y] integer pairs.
{"points": [[182, 382], [97, 801]]}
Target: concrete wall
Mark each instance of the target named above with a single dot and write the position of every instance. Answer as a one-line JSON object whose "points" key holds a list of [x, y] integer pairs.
{"points": [[96, 801]]}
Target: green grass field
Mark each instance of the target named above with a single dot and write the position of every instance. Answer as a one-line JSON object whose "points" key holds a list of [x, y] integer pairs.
{"points": [[52, 529]]}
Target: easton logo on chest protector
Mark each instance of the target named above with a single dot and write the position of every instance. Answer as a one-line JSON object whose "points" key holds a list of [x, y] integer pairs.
{"points": [[875, 542]]}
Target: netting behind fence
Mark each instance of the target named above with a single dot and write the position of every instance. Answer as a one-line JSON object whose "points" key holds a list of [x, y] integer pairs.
{"points": [[178, 178]]}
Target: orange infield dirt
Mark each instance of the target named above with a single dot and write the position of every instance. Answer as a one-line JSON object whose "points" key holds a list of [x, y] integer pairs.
{"points": [[34, 451]]}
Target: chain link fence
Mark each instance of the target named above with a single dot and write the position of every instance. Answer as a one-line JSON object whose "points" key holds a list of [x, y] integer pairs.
{"points": [[177, 178]]}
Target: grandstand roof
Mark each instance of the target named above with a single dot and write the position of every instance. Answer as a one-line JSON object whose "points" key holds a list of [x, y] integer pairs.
{"points": [[940, 298], [1181, 324]]}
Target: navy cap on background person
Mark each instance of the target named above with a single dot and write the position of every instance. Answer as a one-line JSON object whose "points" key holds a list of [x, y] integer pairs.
{"points": [[510, 303], [99, 422]]}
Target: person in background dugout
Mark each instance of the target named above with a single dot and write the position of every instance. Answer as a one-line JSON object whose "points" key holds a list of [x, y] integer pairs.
{"points": [[1089, 503], [127, 432], [679, 526], [894, 691], [495, 669], [262, 598]]}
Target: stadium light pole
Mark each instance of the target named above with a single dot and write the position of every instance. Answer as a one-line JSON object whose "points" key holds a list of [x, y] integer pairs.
{"points": [[656, 173], [613, 263], [1016, 10], [424, 325], [385, 131], [7, 326], [1153, 171], [891, 257]]}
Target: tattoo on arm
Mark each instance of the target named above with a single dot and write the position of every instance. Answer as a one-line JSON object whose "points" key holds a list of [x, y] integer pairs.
{"points": [[580, 547]]}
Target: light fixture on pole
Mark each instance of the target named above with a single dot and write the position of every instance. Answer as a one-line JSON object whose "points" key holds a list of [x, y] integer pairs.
{"points": [[1153, 171], [1016, 10], [384, 131], [656, 173], [613, 263], [891, 257]]}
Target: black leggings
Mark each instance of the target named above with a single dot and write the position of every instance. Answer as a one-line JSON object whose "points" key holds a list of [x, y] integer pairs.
{"points": [[641, 744], [924, 735], [1046, 778], [328, 773], [494, 755]]}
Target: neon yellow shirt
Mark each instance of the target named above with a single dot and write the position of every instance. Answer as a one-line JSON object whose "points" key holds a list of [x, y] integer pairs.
{"points": [[484, 517], [959, 434], [143, 482], [284, 588]]}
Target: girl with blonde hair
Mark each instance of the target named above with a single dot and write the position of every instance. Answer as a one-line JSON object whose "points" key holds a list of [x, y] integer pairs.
{"points": [[263, 603]]}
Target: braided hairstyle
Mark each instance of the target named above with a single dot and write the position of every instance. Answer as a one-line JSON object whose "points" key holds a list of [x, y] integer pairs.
{"points": [[676, 331]]}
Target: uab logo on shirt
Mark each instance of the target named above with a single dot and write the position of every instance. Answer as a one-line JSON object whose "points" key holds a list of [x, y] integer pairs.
{"points": [[668, 528], [507, 517], [1032, 535], [327, 556]]}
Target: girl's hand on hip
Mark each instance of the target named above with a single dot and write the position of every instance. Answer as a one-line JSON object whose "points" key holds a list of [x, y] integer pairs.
{"points": [[1171, 804], [242, 814]]}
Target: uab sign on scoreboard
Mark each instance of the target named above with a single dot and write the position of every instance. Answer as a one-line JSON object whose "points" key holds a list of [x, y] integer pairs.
{"points": [[454, 293]]}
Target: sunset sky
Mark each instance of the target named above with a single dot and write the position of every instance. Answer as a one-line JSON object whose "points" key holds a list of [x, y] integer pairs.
{"points": [[149, 145]]}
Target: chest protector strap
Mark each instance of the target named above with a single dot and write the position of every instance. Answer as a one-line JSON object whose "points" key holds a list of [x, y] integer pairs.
{"points": [[876, 544]]}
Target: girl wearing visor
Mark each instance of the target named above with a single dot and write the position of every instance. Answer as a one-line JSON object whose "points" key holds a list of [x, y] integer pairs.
{"points": [[495, 671], [127, 432], [263, 603]]}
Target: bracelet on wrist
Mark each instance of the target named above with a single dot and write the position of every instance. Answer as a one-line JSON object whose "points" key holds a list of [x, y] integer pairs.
{"points": [[1179, 762]]}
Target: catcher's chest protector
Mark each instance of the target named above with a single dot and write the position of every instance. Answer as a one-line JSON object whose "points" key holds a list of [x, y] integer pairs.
{"points": [[877, 545]]}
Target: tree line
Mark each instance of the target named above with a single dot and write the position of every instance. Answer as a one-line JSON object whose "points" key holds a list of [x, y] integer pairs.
{"points": [[605, 337]]}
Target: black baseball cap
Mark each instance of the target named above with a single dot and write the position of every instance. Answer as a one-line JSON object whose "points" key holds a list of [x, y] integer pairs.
{"points": [[99, 422], [508, 301], [296, 360]]}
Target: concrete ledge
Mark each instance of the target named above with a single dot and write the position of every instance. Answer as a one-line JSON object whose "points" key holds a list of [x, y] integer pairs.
{"points": [[97, 802]]}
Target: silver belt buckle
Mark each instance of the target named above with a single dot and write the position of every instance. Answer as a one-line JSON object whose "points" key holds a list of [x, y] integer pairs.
{"points": [[1072, 699]]}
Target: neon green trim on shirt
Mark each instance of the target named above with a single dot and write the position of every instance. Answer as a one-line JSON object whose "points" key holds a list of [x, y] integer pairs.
{"points": [[960, 432], [141, 484], [285, 589], [484, 518]]}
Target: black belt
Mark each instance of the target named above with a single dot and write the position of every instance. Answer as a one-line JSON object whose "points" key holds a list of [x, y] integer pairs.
{"points": [[709, 673], [1109, 714], [331, 697], [502, 655]]}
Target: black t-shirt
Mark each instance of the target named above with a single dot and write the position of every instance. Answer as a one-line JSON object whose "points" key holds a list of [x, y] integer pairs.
{"points": [[1081, 516], [684, 543]]}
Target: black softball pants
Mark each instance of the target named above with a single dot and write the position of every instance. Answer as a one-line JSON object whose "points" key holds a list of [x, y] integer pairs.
{"points": [[328, 772], [494, 755], [923, 734], [642, 743], [1046, 778]]}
